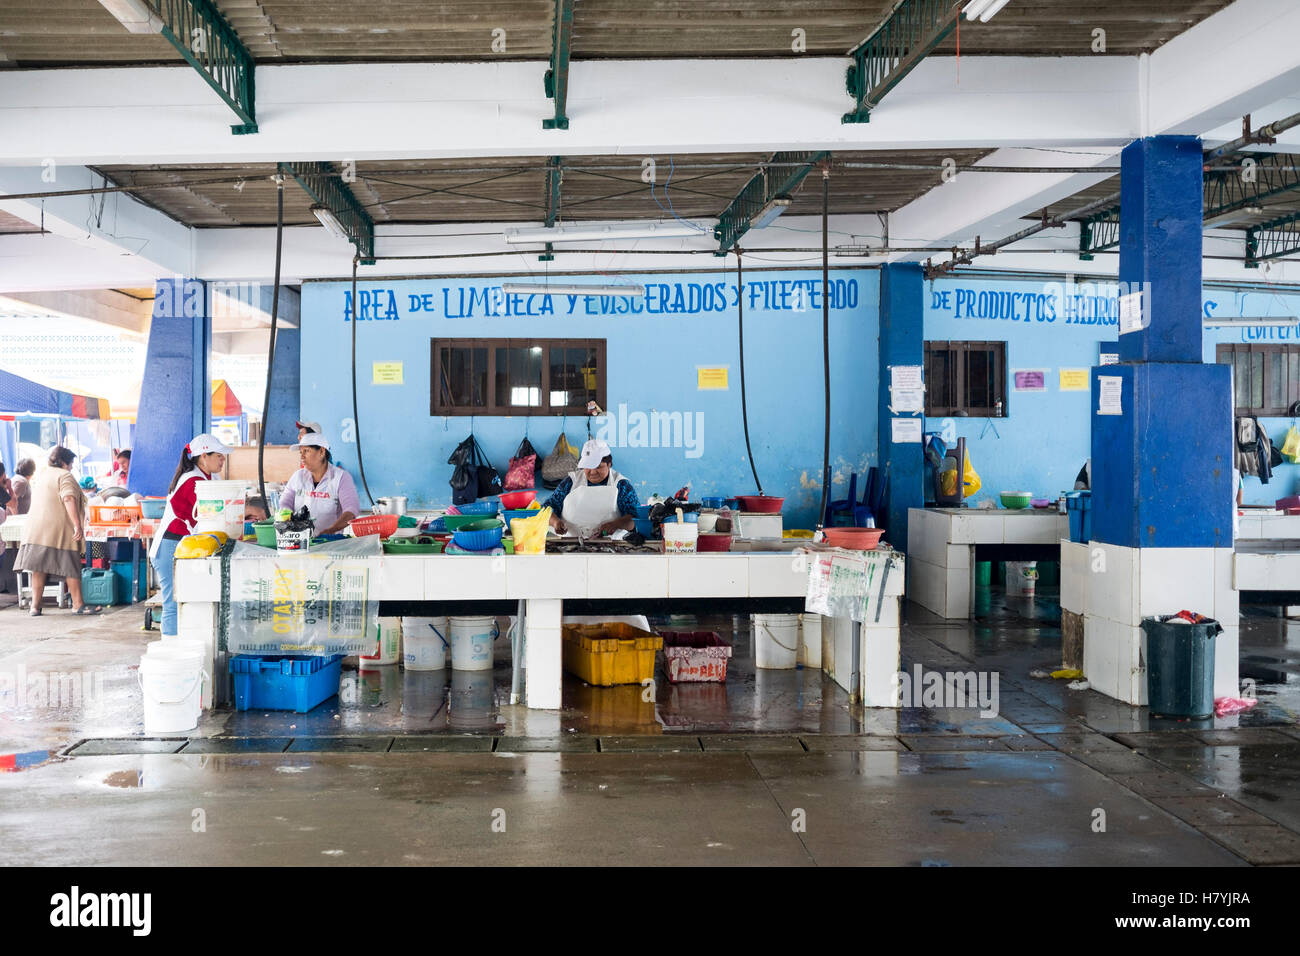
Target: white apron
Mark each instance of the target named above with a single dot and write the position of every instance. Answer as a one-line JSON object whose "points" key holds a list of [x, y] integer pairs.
{"points": [[586, 507], [169, 515], [322, 501]]}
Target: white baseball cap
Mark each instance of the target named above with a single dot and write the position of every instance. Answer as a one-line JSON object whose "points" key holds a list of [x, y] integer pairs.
{"points": [[310, 426], [312, 438], [204, 444], [593, 453]]}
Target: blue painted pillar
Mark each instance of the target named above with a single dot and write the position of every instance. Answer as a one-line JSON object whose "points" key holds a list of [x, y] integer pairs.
{"points": [[902, 342], [1162, 467], [285, 378], [175, 396]]}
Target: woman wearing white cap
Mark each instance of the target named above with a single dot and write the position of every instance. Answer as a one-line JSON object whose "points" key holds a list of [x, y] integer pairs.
{"points": [[200, 460], [595, 499], [327, 490]]}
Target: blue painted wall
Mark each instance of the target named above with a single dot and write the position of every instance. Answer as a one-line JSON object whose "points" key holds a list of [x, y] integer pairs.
{"points": [[684, 321], [1045, 439]]}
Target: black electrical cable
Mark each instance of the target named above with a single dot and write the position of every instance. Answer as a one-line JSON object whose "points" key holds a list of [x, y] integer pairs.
{"points": [[270, 357], [826, 342], [744, 412], [356, 424]]}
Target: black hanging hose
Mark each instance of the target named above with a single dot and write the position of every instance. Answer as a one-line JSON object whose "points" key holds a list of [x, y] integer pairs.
{"points": [[826, 341], [356, 424], [270, 358], [744, 413]]}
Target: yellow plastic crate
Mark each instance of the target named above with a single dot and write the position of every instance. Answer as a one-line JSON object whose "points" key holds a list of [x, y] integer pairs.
{"points": [[609, 654]]}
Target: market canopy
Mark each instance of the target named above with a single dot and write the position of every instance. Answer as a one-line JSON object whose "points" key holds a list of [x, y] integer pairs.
{"points": [[224, 402], [19, 396]]}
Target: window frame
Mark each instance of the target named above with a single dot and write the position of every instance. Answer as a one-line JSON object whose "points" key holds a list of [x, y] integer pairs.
{"points": [[1232, 349], [961, 389], [491, 408]]}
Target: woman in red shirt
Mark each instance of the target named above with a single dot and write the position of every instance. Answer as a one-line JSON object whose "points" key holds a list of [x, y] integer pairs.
{"points": [[202, 458]]}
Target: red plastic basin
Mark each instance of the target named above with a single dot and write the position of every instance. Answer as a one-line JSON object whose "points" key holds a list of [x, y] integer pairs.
{"points": [[858, 539], [760, 504], [517, 500]]}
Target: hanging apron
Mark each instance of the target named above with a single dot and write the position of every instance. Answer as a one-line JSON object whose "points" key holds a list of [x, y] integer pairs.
{"points": [[169, 515], [322, 501], [586, 507]]}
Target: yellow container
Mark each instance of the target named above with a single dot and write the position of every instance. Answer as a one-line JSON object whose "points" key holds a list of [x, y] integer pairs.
{"points": [[609, 654]]}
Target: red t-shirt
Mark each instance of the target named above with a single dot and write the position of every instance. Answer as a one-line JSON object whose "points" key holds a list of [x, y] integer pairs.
{"points": [[183, 500]]}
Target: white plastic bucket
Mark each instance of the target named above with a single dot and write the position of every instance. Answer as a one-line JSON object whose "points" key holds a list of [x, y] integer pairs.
{"points": [[220, 507], [471, 642], [680, 538], [389, 645], [424, 643], [172, 688], [776, 640], [293, 541], [1022, 577], [810, 640], [181, 647], [472, 702]]}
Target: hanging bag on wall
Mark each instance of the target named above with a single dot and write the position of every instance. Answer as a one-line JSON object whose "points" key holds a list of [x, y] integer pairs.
{"points": [[1291, 445], [489, 482], [523, 468], [464, 479], [562, 460]]}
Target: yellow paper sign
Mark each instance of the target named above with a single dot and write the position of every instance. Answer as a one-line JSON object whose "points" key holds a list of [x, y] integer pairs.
{"points": [[387, 373], [1074, 380], [712, 378]]}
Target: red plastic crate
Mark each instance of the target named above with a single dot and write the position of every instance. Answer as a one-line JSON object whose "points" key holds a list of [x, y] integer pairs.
{"points": [[695, 656], [382, 525]]}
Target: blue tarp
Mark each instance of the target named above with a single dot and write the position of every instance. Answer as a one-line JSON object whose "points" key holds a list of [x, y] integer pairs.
{"points": [[18, 395]]}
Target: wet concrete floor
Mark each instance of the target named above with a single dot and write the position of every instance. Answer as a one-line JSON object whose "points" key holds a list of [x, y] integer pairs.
{"points": [[772, 767]]}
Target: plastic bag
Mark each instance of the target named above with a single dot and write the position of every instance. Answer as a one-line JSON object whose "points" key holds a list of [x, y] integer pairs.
{"points": [[530, 533], [1291, 445], [948, 480], [523, 467]]}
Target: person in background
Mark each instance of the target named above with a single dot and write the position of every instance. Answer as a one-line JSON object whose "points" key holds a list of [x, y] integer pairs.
{"points": [[54, 536], [255, 509], [595, 499], [7, 493], [308, 428], [1083, 481], [202, 458], [22, 502], [326, 489], [117, 475]]}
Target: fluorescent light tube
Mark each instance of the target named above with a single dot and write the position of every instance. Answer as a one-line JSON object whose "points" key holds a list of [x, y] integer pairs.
{"points": [[553, 289], [136, 15], [599, 232], [1210, 322], [329, 221], [975, 8], [769, 212], [1237, 215], [993, 8]]}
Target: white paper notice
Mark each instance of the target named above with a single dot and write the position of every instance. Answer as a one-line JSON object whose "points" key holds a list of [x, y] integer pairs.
{"points": [[904, 376], [906, 430], [907, 399], [1109, 389], [1109, 358], [1131, 313]]}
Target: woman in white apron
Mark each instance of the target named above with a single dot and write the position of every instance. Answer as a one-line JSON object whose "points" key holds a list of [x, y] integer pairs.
{"points": [[595, 499], [327, 490], [202, 458]]}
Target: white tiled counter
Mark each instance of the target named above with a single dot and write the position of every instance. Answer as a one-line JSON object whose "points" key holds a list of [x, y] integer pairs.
{"points": [[941, 546], [544, 582]]}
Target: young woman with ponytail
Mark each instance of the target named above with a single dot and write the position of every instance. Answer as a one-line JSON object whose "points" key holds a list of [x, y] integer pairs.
{"points": [[202, 458]]}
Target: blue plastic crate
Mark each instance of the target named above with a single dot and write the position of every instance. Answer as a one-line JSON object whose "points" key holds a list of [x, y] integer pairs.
{"points": [[284, 682], [1079, 506]]}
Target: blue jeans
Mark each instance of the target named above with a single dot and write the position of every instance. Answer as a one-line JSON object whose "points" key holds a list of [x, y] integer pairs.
{"points": [[163, 565]]}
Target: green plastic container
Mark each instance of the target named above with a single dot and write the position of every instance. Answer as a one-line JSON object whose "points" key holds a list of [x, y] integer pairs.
{"points": [[458, 522], [983, 573], [99, 587], [265, 531], [1180, 668], [424, 545]]}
